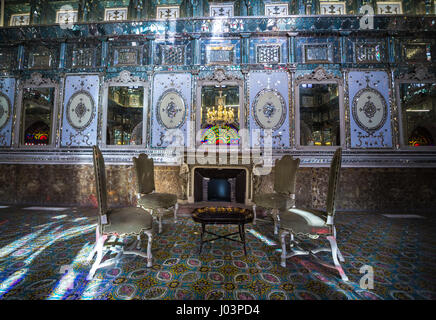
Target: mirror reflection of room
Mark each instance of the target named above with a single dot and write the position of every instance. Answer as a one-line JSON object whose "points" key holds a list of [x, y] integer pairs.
{"points": [[319, 115], [124, 115], [220, 115], [418, 104], [37, 116]]}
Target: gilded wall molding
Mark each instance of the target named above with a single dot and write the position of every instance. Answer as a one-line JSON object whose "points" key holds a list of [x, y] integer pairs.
{"points": [[220, 75], [318, 75], [124, 78], [37, 80]]}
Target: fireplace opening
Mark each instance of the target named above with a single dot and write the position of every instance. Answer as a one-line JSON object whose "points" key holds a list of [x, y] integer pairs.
{"points": [[216, 184], [218, 190]]}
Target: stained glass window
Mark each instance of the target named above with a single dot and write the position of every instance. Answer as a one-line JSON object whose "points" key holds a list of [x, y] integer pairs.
{"points": [[225, 134]]}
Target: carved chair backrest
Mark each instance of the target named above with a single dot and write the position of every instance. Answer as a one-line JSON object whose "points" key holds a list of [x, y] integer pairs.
{"points": [[285, 175], [144, 169], [335, 171], [100, 179]]}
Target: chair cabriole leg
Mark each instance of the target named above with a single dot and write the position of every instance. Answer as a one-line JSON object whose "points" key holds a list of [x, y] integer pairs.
{"points": [[99, 249], [160, 221], [340, 256], [283, 241], [176, 208], [275, 215], [94, 249], [338, 266], [149, 256], [138, 245]]}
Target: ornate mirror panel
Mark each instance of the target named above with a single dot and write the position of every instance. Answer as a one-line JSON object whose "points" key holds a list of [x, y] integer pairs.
{"points": [[83, 55], [125, 111], [370, 120], [318, 53], [319, 114], [368, 51], [269, 108], [41, 57], [127, 53], [220, 117], [220, 52], [79, 122], [268, 51], [173, 53], [171, 108], [7, 99], [416, 52], [8, 57], [37, 116], [418, 114], [317, 50], [220, 113]]}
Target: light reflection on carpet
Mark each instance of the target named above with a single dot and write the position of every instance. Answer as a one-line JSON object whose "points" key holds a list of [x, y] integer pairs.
{"points": [[32, 258]]}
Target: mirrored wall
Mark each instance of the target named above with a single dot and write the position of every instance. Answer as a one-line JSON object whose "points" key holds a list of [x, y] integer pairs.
{"points": [[125, 113], [37, 116], [319, 116], [418, 114]]}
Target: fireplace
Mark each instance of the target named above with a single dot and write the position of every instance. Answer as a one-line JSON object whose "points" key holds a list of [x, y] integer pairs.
{"points": [[219, 190], [220, 184]]}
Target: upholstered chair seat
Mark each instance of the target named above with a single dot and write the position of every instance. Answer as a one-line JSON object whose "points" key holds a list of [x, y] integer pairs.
{"points": [[312, 224], [304, 221], [127, 221], [274, 200], [157, 200]]}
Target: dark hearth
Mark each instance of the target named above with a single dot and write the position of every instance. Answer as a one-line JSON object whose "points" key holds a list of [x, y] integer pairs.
{"points": [[232, 181], [218, 190]]}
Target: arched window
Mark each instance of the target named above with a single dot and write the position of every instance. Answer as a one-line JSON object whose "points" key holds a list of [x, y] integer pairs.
{"points": [[38, 133]]}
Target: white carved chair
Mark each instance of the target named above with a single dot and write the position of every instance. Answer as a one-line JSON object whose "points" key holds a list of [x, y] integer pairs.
{"points": [[310, 224], [116, 223], [156, 203], [283, 197]]}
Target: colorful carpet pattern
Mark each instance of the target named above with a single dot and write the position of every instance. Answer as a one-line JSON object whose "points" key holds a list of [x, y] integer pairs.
{"points": [[43, 256]]}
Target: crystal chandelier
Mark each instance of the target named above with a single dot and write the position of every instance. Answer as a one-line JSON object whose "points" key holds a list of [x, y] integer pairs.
{"points": [[221, 114]]}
